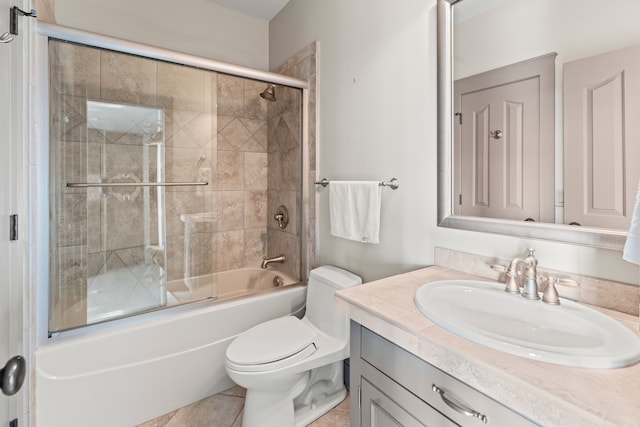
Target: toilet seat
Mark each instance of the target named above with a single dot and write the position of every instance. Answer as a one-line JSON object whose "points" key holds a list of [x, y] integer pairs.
{"points": [[272, 345]]}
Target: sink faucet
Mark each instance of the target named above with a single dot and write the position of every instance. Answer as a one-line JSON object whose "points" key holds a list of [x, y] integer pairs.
{"points": [[530, 288], [266, 261], [530, 264]]}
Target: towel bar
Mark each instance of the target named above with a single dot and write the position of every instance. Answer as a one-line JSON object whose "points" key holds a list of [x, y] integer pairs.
{"points": [[134, 184], [393, 183]]}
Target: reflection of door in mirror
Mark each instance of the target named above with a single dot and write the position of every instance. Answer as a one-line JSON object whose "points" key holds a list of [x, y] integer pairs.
{"points": [[498, 131], [602, 138]]}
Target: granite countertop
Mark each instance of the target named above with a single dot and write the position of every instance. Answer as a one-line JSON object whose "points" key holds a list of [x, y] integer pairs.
{"points": [[549, 394]]}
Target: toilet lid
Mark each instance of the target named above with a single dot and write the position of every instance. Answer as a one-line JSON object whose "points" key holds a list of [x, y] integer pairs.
{"points": [[271, 341]]}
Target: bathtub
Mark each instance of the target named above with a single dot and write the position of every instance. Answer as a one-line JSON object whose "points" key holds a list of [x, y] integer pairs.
{"points": [[132, 370]]}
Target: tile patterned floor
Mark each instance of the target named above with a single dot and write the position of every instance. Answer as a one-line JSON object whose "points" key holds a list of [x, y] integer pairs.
{"points": [[225, 410]]}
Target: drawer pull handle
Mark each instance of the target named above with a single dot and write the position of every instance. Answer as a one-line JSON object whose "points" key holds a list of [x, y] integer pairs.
{"points": [[458, 407]]}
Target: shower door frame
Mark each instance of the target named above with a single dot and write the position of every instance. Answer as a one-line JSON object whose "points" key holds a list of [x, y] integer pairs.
{"points": [[39, 147]]}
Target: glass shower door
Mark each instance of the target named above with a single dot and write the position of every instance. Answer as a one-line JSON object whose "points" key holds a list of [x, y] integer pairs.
{"points": [[125, 223]]}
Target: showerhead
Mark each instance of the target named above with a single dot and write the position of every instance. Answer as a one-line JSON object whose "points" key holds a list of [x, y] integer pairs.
{"points": [[269, 93]]}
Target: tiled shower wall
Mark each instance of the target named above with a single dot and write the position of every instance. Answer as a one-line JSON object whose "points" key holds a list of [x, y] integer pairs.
{"points": [[217, 128], [284, 185]]}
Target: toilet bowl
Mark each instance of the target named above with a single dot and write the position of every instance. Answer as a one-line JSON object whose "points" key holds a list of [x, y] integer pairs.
{"points": [[293, 368]]}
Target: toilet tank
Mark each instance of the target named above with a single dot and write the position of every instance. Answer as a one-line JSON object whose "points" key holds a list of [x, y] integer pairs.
{"points": [[321, 310]]}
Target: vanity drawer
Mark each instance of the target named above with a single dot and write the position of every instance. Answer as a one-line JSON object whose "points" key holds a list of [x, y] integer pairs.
{"points": [[440, 390]]}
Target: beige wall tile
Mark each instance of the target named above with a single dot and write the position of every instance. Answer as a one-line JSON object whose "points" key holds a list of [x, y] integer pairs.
{"points": [[183, 164], [71, 215], [184, 203], [200, 254], [68, 301], [255, 105], [230, 95], [255, 171], [255, 209], [230, 250], [181, 87], [230, 168], [128, 79], [175, 257], [236, 133], [78, 72], [255, 246], [230, 210]]}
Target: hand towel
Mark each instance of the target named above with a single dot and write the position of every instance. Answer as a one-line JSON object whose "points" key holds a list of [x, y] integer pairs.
{"points": [[355, 210], [632, 246]]}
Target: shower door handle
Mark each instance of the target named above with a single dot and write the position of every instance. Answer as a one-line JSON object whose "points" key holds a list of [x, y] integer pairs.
{"points": [[12, 375]]}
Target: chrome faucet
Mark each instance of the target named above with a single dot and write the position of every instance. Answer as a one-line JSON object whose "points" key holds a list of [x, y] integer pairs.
{"points": [[266, 261], [530, 288], [512, 273]]}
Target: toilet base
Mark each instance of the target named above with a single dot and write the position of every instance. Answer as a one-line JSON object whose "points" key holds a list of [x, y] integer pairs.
{"points": [[273, 407], [308, 414]]}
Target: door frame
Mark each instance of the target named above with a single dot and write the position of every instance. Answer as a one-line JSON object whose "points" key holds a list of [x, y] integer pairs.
{"points": [[19, 135]]}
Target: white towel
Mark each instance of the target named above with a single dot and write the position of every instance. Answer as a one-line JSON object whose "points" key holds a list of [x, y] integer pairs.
{"points": [[632, 246], [355, 210]]}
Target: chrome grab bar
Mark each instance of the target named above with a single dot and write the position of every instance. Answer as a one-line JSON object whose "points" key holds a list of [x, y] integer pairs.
{"points": [[459, 407], [134, 184]]}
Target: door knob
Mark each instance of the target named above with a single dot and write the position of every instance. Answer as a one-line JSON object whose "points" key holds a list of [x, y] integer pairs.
{"points": [[12, 375], [497, 134]]}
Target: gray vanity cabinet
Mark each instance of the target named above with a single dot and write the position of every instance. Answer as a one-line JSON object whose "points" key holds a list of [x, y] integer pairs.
{"points": [[391, 387]]}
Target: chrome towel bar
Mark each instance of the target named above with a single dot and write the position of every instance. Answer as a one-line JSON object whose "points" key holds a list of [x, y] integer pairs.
{"points": [[134, 184], [393, 183]]}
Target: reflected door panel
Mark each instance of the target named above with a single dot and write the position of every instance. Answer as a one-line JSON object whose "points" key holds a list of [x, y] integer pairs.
{"points": [[499, 151], [601, 134]]}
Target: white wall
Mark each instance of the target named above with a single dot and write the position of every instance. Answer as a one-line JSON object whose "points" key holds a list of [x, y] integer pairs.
{"points": [[198, 27], [378, 119]]}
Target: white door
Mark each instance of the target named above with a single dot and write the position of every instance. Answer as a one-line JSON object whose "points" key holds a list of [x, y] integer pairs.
{"points": [[499, 148], [10, 251], [601, 138]]}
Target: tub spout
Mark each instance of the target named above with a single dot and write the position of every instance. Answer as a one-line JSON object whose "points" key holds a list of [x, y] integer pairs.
{"points": [[266, 261]]}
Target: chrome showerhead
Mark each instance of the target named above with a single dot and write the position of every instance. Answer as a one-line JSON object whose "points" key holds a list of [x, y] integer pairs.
{"points": [[269, 93]]}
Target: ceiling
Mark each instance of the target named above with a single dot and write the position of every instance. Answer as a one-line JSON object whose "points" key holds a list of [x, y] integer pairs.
{"points": [[262, 9]]}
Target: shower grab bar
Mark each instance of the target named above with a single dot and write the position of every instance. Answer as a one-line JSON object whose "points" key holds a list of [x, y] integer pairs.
{"points": [[134, 184], [393, 183]]}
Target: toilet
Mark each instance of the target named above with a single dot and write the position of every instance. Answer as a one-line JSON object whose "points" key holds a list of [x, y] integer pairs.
{"points": [[293, 368]]}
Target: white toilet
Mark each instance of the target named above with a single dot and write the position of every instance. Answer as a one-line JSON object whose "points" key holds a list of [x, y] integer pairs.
{"points": [[292, 368]]}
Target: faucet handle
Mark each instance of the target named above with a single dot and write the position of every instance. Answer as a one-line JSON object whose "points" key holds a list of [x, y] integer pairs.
{"points": [[550, 294], [512, 285], [499, 268]]}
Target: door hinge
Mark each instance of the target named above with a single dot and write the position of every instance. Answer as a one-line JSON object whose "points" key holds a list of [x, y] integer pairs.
{"points": [[459, 117], [460, 199], [13, 423], [13, 227], [359, 396]]}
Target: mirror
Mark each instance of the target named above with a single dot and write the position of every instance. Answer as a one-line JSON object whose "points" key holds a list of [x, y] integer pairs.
{"points": [[493, 35]]}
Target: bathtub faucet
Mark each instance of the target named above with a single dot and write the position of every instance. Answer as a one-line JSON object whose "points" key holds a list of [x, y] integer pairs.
{"points": [[266, 261]]}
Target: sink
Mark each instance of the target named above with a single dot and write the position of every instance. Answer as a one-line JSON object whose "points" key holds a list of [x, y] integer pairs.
{"points": [[569, 334]]}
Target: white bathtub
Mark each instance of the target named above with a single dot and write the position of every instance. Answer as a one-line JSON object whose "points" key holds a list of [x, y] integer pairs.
{"points": [[149, 365]]}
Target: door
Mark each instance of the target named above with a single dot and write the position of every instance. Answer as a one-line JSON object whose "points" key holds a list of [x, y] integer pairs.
{"points": [[601, 138], [10, 250], [504, 128], [500, 156]]}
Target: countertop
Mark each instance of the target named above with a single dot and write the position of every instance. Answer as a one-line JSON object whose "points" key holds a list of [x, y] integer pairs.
{"points": [[548, 394]]}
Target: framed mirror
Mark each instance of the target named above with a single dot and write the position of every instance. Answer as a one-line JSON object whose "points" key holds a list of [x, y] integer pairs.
{"points": [[572, 178]]}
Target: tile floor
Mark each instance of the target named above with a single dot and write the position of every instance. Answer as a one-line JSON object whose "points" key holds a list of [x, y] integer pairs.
{"points": [[225, 410]]}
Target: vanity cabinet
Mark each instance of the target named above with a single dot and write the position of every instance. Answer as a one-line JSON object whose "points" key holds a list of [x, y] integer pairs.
{"points": [[391, 387]]}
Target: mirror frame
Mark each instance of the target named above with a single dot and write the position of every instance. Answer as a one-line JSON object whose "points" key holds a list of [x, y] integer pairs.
{"points": [[587, 236]]}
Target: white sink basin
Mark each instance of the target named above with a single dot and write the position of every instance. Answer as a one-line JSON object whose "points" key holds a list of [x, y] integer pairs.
{"points": [[570, 334]]}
